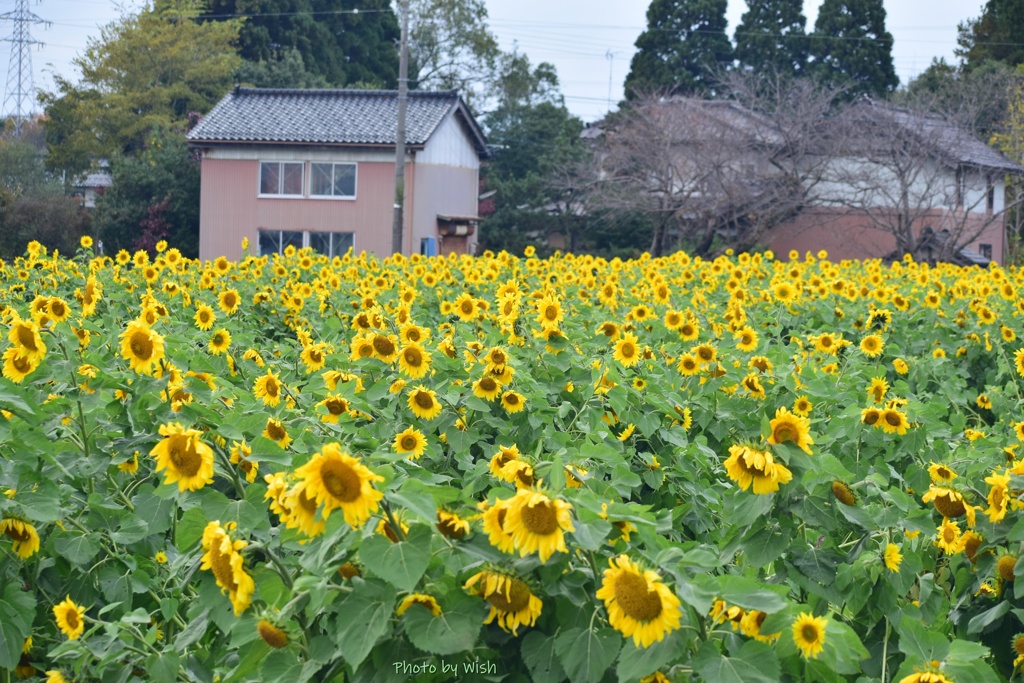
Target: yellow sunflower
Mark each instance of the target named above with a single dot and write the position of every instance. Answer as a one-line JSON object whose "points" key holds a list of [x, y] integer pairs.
{"points": [[626, 350], [220, 341], [949, 503], [639, 605], [414, 360], [872, 345], [18, 366], [809, 634], [422, 599], [894, 421], [998, 496], [411, 443], [877, 389], [940, 474], [748, 466], [802, 406], [948, 537], [512, 602], [892, 557], [451, 525], [688, 365], [751, 623], [423, 403], [336, 406], [204, 317], [271, 634], [223, 558], [70, 618], [142, 348], [925, 677], [494, 525], [549, 312], [24, 335], [275, 431], [512, 402], [24, 537], [229, 301], [269, 388], [337, 480], [537, 523], [789, 427], [186, 459], [487, 388], [746, 339]]}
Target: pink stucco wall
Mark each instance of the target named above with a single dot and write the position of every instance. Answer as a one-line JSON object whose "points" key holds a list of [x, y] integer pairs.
{"points": [[230, 208]]}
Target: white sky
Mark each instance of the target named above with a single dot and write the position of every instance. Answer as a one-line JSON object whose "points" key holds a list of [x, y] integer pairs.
{"points": [[585, 39]]}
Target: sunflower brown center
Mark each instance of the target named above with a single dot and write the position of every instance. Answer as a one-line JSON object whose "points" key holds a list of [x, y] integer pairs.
{"points": [[57, 309], [950, 506], [948, 534], [184, 456], [488, 384], [229, 300], [383, 345], [628, 350], [22, 364], [336, 407], [784, 432], [635, 599], [541, 519], [71, 616], [423, 400], [366, 350], [413, 357], [340, 480], [271, 387], [275, 431], [551, 312], [809, 633], [220, 564], [512, 399], [871, 418], [893, 418], [141, 345], [466, 307], [18, 534], [409, 442], [516, 599]]}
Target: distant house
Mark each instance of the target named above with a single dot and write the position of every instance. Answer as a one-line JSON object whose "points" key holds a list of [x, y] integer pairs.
{"points": [[316, 168], [93, 184]]}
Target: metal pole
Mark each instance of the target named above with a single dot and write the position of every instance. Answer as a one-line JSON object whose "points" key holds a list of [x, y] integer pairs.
{"points": [[403, 97]]}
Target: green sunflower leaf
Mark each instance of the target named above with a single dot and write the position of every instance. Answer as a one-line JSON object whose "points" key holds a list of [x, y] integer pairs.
{"points": [[16, 615], [754, 663], [539, 655], [454, 630], [586, 653], [400, 564], [362, 618]]}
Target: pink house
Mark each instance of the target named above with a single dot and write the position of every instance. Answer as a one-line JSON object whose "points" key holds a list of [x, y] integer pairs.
{"points": [[316, 168]]}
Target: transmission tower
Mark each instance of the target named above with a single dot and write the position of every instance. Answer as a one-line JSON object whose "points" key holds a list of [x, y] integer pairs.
{"points": [[20, 84]]}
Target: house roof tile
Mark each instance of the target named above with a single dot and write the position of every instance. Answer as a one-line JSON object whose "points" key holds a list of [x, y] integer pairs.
{"points": [[346, 117]]}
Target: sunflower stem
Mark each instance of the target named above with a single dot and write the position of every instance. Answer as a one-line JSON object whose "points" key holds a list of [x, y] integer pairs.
{"points": [[885, 651], [392, 520], [278, 565], [226, 462]]}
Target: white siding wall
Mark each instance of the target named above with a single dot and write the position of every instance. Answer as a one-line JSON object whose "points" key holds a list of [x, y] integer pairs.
{"points": [[449, 146]]}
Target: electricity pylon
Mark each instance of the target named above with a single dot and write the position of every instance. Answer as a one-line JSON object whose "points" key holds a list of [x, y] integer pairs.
{"points": [[20, 87]]}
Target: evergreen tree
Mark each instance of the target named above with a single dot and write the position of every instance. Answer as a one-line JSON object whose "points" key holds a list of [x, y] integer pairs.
{"points": [[684, 43], [997, 35], [341, 42], [772, 36], [851, 47]]}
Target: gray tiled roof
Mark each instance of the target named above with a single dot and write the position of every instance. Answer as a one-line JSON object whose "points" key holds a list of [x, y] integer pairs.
{"points": [[354, 117]]}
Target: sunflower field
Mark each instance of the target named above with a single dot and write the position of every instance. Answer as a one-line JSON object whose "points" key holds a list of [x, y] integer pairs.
{"points": [[508, 468]]}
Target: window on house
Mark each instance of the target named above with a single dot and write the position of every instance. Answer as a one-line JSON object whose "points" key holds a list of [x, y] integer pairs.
{"points": [[333, 180], [275, 241], [985, 250], [330, 243], [281, 178]]}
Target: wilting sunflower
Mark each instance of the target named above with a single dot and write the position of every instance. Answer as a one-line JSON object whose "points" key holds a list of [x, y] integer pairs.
{"points": [[626, 350], [512, 602], [789, 427], [949, 503], [24, 536], [337, 480], [892, 557], [422, 599], [226, 563], [537, 523], [423, 403], [809, 634], [639, 605], [220, 342], [336, 406], [451, 525], [272, 635], [70, 618], [877, 389], [24, 335], [411, 443], [998, 496], [940, 474], [414, 360], [494, 524], [186, 459], [142, 347], [269, 388], [748, 466], [752, 385], [512, 402], [843, 494]]}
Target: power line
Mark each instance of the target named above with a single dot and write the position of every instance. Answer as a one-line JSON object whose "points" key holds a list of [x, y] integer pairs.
{"points": [[20, 86]]}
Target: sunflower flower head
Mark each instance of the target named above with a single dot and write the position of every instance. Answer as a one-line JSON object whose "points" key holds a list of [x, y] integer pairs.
{"points": [[639, 605]]}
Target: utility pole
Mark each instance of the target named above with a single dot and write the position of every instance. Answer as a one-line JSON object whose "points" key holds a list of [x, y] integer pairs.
{"points": [[20, 84], [403, 100]]}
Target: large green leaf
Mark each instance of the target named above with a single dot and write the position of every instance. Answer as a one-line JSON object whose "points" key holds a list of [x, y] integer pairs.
{"points": [[917, 641], [454, 630], [76, 548], [754, 663], [637, 662], [586, 653], [538, 651], [749, 594], [362, 618], [17, 611], [400, 564]]}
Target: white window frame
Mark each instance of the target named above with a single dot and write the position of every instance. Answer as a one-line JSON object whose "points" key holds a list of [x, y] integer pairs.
{"points": [[280, 166], [333, 165], [306, 239]]}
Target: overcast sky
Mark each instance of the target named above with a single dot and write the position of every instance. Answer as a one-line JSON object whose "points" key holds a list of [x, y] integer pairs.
{"points": [[589, 41]]}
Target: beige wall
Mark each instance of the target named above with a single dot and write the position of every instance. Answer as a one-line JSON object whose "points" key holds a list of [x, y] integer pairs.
{"points": [[445, 190]]}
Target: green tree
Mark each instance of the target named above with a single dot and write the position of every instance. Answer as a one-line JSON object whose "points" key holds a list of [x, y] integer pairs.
{"points": [[341, 42], [683, 46], [285, 69], [772, 37], [155, 195], [997, 35], [852, 49], [148, 70]]}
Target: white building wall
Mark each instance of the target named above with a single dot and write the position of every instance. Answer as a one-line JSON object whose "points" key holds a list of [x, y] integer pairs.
{"points": [[450, 145]]}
